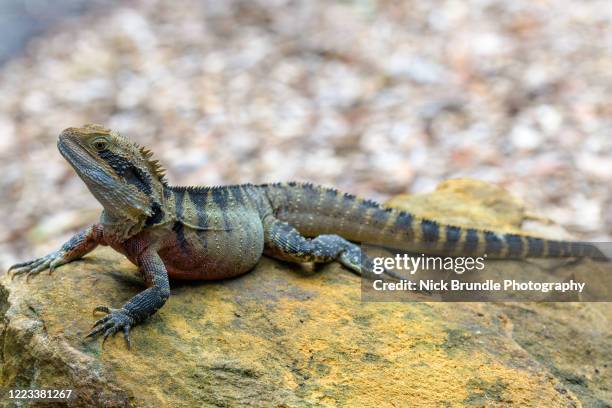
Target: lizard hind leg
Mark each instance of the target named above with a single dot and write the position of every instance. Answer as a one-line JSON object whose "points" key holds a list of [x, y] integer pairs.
{"points": [[282, 241]]}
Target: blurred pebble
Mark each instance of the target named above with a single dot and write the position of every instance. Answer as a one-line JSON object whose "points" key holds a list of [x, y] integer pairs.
{"points": [[597, 166], [525, 137]]}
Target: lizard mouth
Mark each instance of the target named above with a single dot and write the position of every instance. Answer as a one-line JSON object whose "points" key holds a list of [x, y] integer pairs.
{"points": [[86, 166]]}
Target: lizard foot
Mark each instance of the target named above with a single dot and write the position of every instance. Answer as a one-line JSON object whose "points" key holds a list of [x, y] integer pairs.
{"points": [[115, 320], [35, 266], [350, 258]]}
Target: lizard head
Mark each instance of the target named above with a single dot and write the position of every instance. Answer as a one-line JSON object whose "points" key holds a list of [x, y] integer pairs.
{"points": [[119, 173]]}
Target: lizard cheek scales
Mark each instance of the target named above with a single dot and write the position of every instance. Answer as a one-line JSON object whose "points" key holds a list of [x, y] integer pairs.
{"points": [[220, 232]]}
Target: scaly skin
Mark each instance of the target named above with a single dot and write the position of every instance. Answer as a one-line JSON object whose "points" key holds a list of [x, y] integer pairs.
{"points": [[209, 233]]}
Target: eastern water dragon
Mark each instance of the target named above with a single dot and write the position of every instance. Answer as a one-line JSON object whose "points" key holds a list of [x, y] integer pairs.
{"points": [[194, 233]]}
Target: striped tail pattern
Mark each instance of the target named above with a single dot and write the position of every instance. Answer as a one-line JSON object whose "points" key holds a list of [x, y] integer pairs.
{"points": [[315, 210]]}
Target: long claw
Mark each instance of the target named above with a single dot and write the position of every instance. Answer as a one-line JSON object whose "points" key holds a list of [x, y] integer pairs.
{"points": [[102, 320], [37, 265], [42, 266], [115, 320], [39, 268], [38, 262], [29, 263], [56, 263], [21, 264], [99, 330], [19, 271], [126, 335], [16, 274], [94, 333], [109, 332]]}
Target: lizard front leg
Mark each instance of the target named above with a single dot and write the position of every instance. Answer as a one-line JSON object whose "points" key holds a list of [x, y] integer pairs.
{"points": [[141, 306], [77, 247]]}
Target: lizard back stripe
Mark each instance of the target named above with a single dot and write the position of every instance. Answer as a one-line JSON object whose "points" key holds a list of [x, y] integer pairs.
{"points": [[494, 245], [453, 235], [554, 248], [471, 240], [199, 200], [535, 247], [179, 196], [331, 194], [380, 218], [403, 223], [515, 245], [369, 204], [219, 196], [431, 232], [236, 192], [254, 199], [330, 198], [179, 230], [577, 249]]}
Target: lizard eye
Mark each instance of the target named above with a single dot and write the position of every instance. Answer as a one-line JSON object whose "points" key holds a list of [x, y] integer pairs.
{"points": [[99, 145]]}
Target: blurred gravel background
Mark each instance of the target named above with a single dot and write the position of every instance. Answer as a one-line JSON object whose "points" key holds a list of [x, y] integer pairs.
{"points": [[373, 97]]}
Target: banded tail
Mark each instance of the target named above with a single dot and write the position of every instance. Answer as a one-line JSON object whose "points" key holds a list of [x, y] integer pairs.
{"points": [[315, 210]]}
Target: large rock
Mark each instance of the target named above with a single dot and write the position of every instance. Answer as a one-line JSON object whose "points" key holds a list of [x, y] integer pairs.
{"points": [[285, 335]]}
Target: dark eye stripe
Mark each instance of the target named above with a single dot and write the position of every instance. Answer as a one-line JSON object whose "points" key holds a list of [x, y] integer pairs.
{"points": [[125, 169]]}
